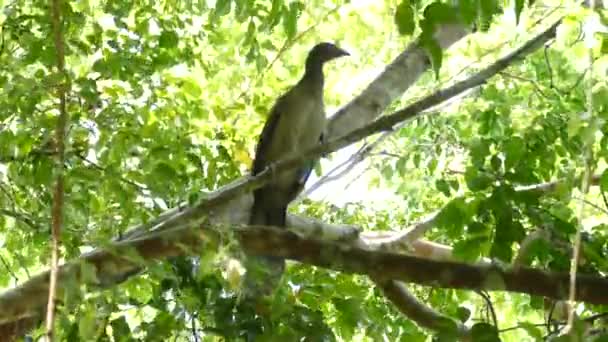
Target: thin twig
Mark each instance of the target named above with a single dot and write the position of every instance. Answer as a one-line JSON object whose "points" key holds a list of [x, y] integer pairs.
{"points": [[103, 169], [577, 82], [488, 300], [549, 67], [22, 264], [289, 42], [7, 191], [600, 209], [19, 217], [193, 327], [286, 45], [8, 269], [356, 178], [584, 189], [521, 327], [58, 195], [335, 173], [534, 83], [605, 199]]}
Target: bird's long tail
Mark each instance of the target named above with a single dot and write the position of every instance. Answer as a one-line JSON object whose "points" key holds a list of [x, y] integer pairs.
{"points": [[264, 272]]}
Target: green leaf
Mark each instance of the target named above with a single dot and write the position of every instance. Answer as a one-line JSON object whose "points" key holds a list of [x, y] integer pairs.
{"points": [[470, 250], [274, 17], [401, 165], [404, 18], [222, 7], [454, 216], [604, 44], [140, 291], [501, 251], [416, 159], [168, 39], [603, 337], [243, 9], [604, 181], [448, 330], [433, 50], [443, 186], [432, 165], [533, 330], [290, 18], [484, 332], [387, 171], [165, 170], [87, 325], [468, 10], [120, 329], [43, 170], [192, 88], [479, 150], [463, 314], [440, 13], [514, 149], [488, 121], [496, 163], [477, 228], [519, 7], [349, 315], [489, 8], [476, 180], [454, 184]]}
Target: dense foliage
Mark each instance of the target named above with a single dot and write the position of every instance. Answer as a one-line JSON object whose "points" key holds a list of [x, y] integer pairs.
{"points": [[166, 100]]}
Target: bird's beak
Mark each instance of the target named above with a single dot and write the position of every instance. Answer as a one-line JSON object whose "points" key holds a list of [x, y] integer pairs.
{"points": [[341, 53]]}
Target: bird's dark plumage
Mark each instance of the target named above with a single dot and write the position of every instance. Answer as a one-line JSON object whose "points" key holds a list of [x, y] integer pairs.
{"points": [[296, 123]]}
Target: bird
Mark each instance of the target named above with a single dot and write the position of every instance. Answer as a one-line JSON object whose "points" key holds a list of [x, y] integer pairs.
{"points": [[296, 123]]}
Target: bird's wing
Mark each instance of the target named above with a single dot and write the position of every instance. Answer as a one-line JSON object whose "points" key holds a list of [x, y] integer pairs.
{"points": [[266, 138], [306, 169]]}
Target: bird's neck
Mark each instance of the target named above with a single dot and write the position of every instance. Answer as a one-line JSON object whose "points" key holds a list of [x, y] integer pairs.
{"points": [[313, 74]]}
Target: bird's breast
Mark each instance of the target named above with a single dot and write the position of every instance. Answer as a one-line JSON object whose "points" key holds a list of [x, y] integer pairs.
{"points": [[299, 130], [303, 124]]}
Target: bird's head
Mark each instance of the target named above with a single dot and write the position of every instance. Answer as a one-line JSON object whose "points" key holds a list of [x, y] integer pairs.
{"points": [[324, 52]]}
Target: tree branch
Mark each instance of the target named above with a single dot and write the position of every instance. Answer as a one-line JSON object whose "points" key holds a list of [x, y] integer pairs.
{"points": [[104, 268], [58, 194], [382, 266], [417, 311]]}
